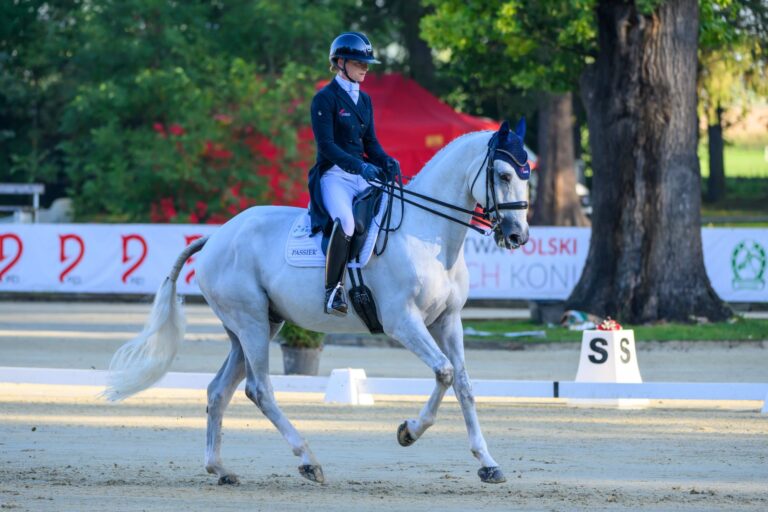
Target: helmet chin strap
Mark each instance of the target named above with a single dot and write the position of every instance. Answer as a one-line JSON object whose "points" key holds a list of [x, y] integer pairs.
{"points": [[344, 70]]}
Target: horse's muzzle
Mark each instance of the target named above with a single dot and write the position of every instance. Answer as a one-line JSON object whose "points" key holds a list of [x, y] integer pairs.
{"points": [[511, 234]]}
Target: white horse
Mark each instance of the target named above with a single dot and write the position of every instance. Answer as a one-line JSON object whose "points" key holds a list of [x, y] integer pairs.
{"points": [[421, 283]]}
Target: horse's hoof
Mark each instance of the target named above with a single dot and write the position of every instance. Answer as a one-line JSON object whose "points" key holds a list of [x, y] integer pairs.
{"points": [[229, 480], [492, 475], [313, 473], [403, 436]]}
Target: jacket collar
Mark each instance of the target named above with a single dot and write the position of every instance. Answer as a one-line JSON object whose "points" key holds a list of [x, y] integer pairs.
{"points": [[344, 96], [349, 87]]}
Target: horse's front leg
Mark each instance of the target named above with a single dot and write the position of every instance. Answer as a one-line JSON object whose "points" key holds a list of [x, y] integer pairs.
{"points": [[413, 334], [411, 430], [449, 331]]}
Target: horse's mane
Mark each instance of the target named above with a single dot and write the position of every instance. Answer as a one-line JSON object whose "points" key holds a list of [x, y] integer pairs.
{"points": [[445, 150]]}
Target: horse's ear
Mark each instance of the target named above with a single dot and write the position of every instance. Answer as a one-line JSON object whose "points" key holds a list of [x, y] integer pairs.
{"points": [[520, 128], [504, 130]]}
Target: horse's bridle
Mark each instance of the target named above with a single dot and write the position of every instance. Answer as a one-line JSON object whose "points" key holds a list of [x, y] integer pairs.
{"points": [[490, 218], [493, 214]]}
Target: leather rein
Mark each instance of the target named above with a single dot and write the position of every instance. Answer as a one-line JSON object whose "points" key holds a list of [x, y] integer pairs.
{"points": [[489, 217]]}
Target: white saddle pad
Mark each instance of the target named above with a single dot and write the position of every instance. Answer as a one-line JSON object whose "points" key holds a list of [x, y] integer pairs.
{"points": [[303, 250]]}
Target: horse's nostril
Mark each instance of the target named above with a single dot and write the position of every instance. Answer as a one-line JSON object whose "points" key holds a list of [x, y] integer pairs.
{"points": [[515, 239]]}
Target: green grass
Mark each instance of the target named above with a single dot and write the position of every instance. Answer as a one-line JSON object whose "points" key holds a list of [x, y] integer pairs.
{"points": [[740, 161], [740, 330], [745, 204]]}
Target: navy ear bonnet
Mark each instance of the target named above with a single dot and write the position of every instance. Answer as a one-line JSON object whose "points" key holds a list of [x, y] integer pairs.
{"points": [[509, 148]]}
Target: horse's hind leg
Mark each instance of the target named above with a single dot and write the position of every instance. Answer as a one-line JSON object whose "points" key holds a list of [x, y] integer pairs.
{"points": [[450, 332], [220, 392], [259, 389]]}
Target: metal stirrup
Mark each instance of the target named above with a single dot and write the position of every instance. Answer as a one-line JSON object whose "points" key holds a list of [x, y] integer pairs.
{"points": [[329, 304]]}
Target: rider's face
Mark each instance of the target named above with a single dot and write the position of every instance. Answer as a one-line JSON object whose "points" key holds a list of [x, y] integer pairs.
{"points": [[357, 70]]}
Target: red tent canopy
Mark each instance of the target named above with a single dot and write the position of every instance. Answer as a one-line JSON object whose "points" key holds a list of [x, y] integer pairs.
{"points": [[411, 123]]}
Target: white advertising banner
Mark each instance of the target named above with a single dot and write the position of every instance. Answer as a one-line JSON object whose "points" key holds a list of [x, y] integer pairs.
{"points": [[547, 267], [737, 262], [135, 258], [94, 258]]}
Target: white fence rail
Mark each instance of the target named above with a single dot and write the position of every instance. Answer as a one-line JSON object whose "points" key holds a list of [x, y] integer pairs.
{"points": [[704, 391]]}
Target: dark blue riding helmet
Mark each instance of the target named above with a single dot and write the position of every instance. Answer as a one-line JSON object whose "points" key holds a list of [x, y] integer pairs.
{"points": [[352, 46]]}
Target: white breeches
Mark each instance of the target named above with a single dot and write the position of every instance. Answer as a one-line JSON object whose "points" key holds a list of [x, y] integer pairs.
{"points": [[338, 188]]}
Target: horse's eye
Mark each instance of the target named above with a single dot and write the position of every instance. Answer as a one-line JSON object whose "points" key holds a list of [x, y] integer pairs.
{"points": [[506, 178]]}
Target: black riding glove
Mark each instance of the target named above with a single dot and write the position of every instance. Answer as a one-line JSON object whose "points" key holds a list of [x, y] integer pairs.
{"points": [[370, 172], [392, 168]]}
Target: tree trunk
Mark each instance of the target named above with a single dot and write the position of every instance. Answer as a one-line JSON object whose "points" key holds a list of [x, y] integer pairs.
{"points": [[645, 260], [557, 203], [716, 181], [420, 63]]}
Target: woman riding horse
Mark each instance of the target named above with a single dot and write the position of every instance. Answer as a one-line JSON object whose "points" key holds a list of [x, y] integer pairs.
{"points": [[244, 276], [348, 157]]}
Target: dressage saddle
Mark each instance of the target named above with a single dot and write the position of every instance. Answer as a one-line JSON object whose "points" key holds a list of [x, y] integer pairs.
{"points": [[364, 207]]}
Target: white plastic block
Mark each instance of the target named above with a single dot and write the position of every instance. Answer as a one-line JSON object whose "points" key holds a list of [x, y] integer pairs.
{"points": [[347, 386], [609, 356]]}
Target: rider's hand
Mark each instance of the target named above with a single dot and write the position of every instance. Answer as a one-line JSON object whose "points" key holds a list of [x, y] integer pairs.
{"points": [[370, 172], [392, 168]]}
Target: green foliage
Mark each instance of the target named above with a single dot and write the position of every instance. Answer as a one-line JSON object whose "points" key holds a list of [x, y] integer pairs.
{"points": [[33, 84], [545, 45], [193, 148], [648, 6], [157, 109], [143, 104], [498, 50], [732, 54], [292, 335], [513, 46]]}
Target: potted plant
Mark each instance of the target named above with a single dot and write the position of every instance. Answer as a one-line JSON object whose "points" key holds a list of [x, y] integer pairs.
{"points": [[301, 349]]}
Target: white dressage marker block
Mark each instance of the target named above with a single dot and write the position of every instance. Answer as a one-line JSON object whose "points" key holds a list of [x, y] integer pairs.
{"points": [[609, 356], [347, 386]]}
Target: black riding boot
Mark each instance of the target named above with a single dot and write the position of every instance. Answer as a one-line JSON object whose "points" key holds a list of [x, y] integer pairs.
{"points": [[335, 267]]}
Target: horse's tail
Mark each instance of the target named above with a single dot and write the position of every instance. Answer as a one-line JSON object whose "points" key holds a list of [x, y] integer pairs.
{"points": [[141, 362]]}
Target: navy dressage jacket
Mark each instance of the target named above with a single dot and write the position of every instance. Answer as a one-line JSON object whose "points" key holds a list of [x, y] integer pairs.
{"points": [[345, 136]]}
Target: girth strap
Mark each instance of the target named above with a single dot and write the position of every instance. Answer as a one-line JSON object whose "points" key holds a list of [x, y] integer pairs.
{"points": [[363, 302]]}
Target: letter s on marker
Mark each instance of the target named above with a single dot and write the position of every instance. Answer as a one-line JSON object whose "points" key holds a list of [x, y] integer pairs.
{"points": [[598, 347], [626, 354]]}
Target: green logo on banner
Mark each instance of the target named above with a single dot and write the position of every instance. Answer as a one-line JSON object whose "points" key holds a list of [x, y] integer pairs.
{"points": [[748, 263]]}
